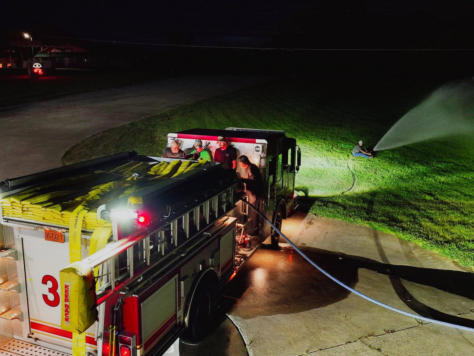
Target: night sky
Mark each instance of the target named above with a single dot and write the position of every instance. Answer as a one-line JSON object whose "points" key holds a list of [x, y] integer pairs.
{"points": [[300, 23]]}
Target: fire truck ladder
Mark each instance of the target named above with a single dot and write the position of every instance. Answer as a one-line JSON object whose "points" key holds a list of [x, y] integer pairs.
{"points": [[154, 250], [144, 249]]}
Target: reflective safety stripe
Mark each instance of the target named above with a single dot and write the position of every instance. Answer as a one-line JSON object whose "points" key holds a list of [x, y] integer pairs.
{"points": [[215, 138], [60, 333]]}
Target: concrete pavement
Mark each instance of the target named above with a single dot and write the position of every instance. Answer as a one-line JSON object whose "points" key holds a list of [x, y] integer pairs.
{"points": [[34, 136], [346, 238], [288, 308]]}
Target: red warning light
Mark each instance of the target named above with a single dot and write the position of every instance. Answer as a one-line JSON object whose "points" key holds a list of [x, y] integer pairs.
{"points": [[105, 349], [38, 71], [125, 351], [143, 218]]}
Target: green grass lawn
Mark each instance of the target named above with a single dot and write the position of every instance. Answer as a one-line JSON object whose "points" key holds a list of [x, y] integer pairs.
{"points": [[423, 192]]}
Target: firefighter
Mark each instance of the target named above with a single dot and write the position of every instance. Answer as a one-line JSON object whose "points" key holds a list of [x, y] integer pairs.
{"points": [[253, 188], [174, 151], [360, 151], [226, 154], [200, 153]]}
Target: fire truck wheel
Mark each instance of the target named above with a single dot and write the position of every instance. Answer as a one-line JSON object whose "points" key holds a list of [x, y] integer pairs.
{"points": [[201, 313]]}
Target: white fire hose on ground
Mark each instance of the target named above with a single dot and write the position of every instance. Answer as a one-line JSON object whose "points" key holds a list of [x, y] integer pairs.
{"points": [[352, 290]]}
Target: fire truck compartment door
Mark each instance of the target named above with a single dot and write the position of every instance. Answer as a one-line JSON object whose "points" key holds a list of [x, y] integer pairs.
{"points": [[227, 250], [158, 312], [43, 260]]}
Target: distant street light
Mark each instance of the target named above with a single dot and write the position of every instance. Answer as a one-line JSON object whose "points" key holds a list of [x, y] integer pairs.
{"points": [[27, 36]]}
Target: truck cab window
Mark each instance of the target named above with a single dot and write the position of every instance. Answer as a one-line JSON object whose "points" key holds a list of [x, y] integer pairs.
{"points": [[292, 159]]}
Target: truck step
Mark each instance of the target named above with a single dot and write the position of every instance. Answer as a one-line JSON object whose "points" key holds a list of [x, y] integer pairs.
{"points": [[14, 347]]}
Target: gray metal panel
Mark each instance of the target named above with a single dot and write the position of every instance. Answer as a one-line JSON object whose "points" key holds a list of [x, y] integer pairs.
{"points": [[17, 347], [226, 248], [157, 309]]}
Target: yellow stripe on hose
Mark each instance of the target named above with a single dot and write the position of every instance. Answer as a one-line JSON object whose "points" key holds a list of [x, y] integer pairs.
{"points": [[78, 344], [75, 231], [184, 165], [75, 245], [170, 168]]}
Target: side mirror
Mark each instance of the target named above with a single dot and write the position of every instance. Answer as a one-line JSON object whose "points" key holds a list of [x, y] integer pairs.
{"points": [[298, 158]]}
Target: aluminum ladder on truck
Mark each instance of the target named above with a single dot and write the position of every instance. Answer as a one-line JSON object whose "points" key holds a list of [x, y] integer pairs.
{"points": [[152, 252]]}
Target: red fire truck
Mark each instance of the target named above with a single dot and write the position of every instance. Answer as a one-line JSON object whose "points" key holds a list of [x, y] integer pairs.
{"points": [[174, 243]]}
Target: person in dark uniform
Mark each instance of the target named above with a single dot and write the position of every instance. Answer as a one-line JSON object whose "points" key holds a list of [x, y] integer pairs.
{"points": [[226, 154], [253, 188]]}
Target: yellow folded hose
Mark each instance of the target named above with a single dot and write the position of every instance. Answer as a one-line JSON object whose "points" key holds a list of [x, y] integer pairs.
{"points": [[182, 168], [47, 205], [171, 168], [75, 246]]}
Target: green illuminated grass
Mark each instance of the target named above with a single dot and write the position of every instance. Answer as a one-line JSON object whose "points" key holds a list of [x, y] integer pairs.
{"points": [[422, 193]]}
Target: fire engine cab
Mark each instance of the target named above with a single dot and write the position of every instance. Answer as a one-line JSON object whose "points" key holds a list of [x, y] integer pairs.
{"points": [[124, 254]]}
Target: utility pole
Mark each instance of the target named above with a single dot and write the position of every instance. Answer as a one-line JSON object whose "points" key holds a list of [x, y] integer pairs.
{"points": [[27, 36]]}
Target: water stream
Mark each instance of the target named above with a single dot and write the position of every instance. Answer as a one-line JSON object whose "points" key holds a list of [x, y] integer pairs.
{"points": [[448, 111]]}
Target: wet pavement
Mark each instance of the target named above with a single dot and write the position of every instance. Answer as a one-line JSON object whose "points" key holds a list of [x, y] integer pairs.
{"points": [[224, 340], [281, 282], [283, 306]]}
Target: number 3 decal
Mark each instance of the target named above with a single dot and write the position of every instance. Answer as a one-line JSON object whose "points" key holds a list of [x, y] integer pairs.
{"points": [[51, 299]]}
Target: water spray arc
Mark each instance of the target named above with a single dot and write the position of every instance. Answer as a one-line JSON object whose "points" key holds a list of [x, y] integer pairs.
{"points": [[448, 111]]}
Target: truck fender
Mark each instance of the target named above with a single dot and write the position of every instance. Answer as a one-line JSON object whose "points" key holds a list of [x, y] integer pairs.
{"points": [[207, 276]]}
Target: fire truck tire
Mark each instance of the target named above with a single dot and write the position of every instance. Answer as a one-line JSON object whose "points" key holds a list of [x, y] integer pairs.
{"points": [[202, 309], [278, 222]]}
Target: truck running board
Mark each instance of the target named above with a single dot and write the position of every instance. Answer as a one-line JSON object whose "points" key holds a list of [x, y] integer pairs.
{"points": [[14, 347]]}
